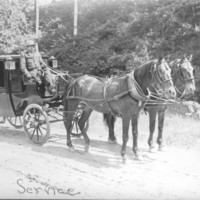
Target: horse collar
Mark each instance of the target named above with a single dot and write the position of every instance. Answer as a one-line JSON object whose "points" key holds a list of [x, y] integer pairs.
{"points": [[134, 88]]}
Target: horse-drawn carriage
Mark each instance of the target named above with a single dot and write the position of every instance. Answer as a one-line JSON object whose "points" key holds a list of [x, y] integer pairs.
{"points": [[29, 105], [119, 96]]}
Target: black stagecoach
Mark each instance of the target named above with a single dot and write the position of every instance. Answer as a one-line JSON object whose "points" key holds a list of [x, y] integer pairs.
{"points": [[29, 105]]}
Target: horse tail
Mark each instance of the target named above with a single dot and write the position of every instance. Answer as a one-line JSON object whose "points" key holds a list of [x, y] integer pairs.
{"points": [[108, 119], [65, 105], [105, 119], [67, 91]]}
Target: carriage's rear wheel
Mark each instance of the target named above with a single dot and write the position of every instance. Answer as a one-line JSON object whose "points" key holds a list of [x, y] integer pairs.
{"points": [[75, 130], [15, 121], [36, 124]]}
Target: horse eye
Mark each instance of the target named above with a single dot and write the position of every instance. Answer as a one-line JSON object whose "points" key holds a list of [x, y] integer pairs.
{"points": [[183, 69]]}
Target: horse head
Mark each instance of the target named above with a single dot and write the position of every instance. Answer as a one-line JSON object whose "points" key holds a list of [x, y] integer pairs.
{"points": [[162, 80], [184, 72]]}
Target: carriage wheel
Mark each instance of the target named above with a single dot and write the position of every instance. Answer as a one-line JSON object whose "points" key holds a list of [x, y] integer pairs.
{"points": [[15, 121], [36, 124], [75, 130]]}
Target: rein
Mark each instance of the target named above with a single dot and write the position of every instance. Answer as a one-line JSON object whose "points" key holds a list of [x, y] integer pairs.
{"points": [[134, 90], [60, 74]]}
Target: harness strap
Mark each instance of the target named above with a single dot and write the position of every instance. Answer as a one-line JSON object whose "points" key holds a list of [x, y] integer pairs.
{"points": [[135, 90], [106, 85]]}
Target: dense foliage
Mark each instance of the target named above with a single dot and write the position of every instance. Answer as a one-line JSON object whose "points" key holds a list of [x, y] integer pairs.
{"points": [[112, 34], [15, 28]]}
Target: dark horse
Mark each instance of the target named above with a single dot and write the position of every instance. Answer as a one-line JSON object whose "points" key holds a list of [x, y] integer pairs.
{"points": [[116, 96], [183, 78]]}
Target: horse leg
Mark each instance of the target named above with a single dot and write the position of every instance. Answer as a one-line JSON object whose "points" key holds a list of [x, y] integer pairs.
{"points": [[110, 121], [152, 122], [69, 109], [125, 125], [135, 134], [161, 117], [84, 117]]}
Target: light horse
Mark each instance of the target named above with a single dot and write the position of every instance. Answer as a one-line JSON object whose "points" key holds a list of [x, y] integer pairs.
{"points": [[116, 96], [183, 78]]}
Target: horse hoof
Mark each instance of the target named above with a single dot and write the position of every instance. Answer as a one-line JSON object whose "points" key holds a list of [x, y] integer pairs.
{"points": [[124, 160], [138, 157], [112, 141], [152, 149], [87, 148], [72, 149], [160, 148]]}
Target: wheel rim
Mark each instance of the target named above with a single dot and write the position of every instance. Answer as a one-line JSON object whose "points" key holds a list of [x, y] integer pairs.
{"points": [[75, 130], [15, 121], [36, 125]]}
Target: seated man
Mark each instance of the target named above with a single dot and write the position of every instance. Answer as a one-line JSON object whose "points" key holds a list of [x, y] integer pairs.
{"points": [[35, 68]]}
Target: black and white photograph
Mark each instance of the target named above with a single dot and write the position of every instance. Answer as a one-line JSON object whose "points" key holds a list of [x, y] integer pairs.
{"points": [[100, 99]]}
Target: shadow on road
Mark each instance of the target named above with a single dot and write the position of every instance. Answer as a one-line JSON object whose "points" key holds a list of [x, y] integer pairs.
{"points": [[100, 154]]}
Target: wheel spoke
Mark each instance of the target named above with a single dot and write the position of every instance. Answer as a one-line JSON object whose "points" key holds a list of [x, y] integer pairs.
{"points": [[37, 135], [76, 128], [72, 126], [29, 113], [38, 116], [40, 131], [32, 134], [43, 128], [20, 120], [29, 128]]}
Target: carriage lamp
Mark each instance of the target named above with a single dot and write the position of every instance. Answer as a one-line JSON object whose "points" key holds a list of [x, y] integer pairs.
{"points": [[10, 64], [53, 62], [45, 58]]}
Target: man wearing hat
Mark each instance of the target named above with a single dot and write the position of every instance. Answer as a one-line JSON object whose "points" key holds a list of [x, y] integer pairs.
{"points": [[33, 66]]}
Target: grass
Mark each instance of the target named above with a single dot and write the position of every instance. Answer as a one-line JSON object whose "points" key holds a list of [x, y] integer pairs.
{"points": [[182, 131], [179, 130]]}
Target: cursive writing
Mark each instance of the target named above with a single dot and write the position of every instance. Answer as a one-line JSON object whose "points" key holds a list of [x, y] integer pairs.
{"points": [[49, 190]]}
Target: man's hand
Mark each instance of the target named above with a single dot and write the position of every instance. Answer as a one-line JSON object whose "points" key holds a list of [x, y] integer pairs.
{"points": [[29, 76], [40, 72]]}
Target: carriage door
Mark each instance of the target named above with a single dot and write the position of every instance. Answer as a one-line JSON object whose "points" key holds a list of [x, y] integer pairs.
{"points": [[5, 104], [2, 85]]}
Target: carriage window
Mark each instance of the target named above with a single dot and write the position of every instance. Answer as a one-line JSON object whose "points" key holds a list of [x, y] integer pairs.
{"points": [[1, 74], [16, 78]]}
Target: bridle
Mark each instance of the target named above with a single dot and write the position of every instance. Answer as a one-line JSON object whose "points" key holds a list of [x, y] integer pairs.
{"points": [[156, 77], [178, 71]]}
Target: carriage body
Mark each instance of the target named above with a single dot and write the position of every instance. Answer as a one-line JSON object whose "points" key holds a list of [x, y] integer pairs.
{"points": [[18, 97], [15, 92]]}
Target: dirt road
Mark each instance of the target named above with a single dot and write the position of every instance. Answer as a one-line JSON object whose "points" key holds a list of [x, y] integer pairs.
{"points": [[52, 171]]}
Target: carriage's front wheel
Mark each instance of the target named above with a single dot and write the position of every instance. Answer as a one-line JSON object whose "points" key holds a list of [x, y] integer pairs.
{"points": [[36, 124], [15, 121], [75, 130]]}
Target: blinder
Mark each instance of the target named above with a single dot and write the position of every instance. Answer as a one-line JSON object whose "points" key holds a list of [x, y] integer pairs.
{"points": [[180, 74], [156, 76]]}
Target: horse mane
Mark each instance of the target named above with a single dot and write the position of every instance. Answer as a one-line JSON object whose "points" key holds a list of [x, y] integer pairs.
{"points": [[172, 63], [142, 73]]}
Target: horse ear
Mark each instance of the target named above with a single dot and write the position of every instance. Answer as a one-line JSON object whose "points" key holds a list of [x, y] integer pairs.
{"points": [[153, 65], [190, 57], [183, 58], [160, 58], [167, 58]]}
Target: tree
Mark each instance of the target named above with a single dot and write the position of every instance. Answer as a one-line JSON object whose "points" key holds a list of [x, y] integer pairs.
{"points": [[14, 28]]}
